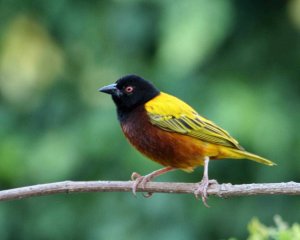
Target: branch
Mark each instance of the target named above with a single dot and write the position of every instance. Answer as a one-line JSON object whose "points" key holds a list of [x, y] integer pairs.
{"points": [[221, 190]]}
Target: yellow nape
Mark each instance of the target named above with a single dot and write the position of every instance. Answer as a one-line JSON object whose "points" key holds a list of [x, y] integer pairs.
{"points": [[169, 106]]}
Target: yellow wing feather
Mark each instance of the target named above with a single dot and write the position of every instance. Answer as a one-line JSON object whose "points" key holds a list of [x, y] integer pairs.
{"points": [[172, 114]]}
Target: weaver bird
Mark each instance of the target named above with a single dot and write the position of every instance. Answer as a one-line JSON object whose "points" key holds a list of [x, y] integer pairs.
{"points": [[170, 132]]}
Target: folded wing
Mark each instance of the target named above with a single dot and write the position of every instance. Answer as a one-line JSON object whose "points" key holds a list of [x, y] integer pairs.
{"points": [[171, 114]]}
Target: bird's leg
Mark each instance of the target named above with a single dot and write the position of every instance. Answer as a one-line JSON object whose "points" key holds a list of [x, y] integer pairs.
{"points": [[205, 182], [138, 179]]}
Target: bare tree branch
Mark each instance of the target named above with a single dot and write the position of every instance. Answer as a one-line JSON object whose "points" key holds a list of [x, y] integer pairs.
{"points": [[221, 190]]}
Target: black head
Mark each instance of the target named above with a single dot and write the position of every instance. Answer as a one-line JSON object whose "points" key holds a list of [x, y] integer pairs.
{"points": [[130, 92]]}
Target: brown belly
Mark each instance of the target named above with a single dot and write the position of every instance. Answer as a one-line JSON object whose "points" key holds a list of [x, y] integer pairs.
{"points": [[167, 148]]}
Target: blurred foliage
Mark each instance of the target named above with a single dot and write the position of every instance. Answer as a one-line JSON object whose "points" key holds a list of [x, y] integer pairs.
{"points": [[236, 62], [281, 230]]}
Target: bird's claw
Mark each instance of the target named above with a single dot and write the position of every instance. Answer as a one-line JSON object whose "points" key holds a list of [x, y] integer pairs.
{"points": [[140, 180], [134, 176], [201, 191]]}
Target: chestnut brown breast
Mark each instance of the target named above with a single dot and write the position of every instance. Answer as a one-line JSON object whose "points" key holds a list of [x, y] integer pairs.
{"points": [[167, 148]]}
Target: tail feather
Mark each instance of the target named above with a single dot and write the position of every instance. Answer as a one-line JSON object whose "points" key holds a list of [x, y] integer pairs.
{"points": [[235, 153]]}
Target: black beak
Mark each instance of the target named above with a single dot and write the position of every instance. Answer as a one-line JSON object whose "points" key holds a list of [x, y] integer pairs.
{"points": [[109, 89]]}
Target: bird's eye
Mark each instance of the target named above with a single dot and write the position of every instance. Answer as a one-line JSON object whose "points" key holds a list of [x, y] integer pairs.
{"points": [[129, 89]]}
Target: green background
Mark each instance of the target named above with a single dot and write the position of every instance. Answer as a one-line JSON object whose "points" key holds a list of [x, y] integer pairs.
{"points": [[236, 62]]}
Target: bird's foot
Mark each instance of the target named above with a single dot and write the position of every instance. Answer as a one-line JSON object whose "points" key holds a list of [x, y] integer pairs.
{"points": [[201, 191], [140, 180]]}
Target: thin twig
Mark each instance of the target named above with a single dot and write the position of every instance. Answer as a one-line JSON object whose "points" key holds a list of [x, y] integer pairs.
{"points": [[221, 190]]}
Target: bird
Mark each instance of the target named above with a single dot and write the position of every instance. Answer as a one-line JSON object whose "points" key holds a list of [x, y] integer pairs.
{"points": [[170, 132]]}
